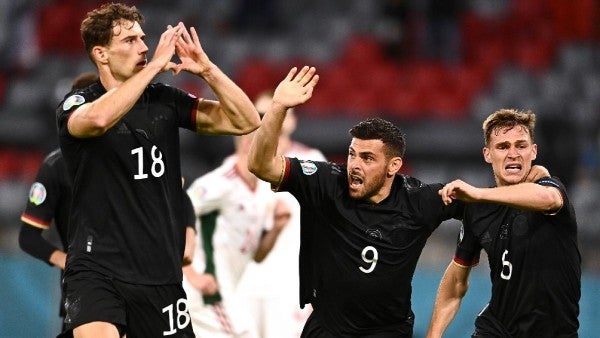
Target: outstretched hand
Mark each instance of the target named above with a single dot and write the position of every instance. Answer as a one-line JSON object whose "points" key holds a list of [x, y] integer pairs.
{"points": [[190, 52], [297, 87]]}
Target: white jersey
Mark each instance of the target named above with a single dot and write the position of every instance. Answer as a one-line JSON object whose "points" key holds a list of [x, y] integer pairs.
{"points": [[272, 286], [243, 213]]}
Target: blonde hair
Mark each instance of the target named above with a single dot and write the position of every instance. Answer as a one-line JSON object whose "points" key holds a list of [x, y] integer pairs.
{"points": [[506, 119]]}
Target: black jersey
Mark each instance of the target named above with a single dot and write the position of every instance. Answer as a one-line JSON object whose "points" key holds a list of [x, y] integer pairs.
{"points": [[189, 219], [50, 197], [127, 202], [357, 259], [535, 266]]}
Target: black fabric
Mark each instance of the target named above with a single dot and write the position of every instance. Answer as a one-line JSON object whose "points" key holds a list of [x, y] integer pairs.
{"points": [[353, 292], [535, 265], [127, 210], [32, 242]]}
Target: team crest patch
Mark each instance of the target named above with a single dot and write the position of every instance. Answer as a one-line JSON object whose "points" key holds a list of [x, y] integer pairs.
{"points": [[73, 100], [308, 168], [37, 193]]}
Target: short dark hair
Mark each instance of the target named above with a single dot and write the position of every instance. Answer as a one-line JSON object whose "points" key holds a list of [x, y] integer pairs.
{"points": [[83, 80], [508, 119], [97, 27], [379, 129]]}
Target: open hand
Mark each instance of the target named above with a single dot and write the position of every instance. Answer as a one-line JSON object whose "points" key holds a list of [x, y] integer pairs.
{"points": [[165, 48], [297, 87], [190, 52]]}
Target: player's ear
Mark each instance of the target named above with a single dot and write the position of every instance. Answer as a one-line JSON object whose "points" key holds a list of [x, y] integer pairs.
{"points": [[486, 155], [99, 54], [534, 150], [394, 166]]}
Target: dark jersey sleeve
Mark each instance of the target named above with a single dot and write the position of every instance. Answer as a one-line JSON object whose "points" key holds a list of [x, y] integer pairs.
{"points": [[425, 198], [185, 103], [567, 209], [188, 210], [44, 196], [40, 210], [309, 181], [468, 249], [32, 242]]}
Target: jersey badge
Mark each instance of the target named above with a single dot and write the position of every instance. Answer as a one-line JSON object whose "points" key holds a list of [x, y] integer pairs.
{"points": [[375, 233], [73, 100], [308, 168], [37, 193], [461, 235]]}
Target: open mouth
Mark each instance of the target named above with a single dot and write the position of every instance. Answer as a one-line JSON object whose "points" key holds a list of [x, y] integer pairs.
{"points": [[513, 168], [142, 63], [355, 180]]}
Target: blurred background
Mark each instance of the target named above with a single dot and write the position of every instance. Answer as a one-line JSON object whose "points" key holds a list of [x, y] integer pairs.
{"points": [[437, 68]]}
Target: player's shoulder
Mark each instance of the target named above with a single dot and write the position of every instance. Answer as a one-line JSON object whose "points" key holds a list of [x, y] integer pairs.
{"points": [[54, 160], [410, 183], [53, 156], [83, 95], [160, 89]]}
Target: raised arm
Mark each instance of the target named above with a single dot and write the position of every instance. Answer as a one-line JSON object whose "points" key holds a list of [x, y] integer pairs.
{"points": [[529, 196], [95, 118], [295, 89], [452, 289], [233, 112]]}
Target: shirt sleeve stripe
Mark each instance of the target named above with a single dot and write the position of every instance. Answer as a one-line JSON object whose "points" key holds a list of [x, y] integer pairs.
{"points": [[36, 222], [465, 263]]}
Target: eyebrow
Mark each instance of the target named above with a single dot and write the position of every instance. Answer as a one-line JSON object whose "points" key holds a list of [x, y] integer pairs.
{"points": [[508, 142]]}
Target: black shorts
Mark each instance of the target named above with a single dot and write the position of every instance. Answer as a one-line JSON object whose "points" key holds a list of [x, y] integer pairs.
{"points": [[137, 310], [314, 329]]}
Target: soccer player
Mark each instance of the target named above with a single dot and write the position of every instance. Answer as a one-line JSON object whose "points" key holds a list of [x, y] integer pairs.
{"points": [[239, 221], [363, 225], [120, 141], [49, 201], [529, 233], [271, 286]]}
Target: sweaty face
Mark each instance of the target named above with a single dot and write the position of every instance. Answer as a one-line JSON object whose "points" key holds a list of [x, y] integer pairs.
{"points": [[367, 170], [511, 153], [127, 51]]}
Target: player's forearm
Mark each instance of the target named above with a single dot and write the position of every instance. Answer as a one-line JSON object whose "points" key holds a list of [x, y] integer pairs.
{"points": [[102, 114], [262, 157], [446, 306], [443, 314], [234, 103], [452, 289], [530, 196], [266, 244]]}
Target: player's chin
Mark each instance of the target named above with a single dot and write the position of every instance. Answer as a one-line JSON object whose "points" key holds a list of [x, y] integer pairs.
{"points": [[514, 179], [356, 193]]}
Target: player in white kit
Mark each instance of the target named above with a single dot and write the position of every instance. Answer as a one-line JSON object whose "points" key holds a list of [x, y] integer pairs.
{"points": [[236, 225], [271, 286]]}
